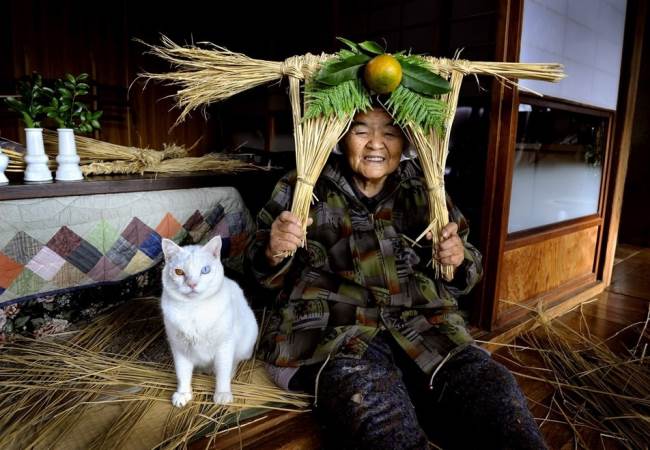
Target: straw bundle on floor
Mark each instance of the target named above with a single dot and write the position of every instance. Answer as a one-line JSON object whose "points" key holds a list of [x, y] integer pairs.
{"points": [[109, 386], [598, 389]]}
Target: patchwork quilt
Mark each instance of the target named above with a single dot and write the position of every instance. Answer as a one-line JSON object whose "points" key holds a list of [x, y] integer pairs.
{"points": [[54, 246]]}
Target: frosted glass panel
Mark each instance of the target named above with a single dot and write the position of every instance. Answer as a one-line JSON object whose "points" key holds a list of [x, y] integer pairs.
{"points": [[558, 166], [584, 35]]}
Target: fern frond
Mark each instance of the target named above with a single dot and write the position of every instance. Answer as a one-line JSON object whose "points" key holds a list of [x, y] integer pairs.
{"points": [[341, 100], [408, 107]]}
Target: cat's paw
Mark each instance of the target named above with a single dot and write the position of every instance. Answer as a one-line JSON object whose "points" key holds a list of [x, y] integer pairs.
{"points": [[180, 399], [223, 398]]}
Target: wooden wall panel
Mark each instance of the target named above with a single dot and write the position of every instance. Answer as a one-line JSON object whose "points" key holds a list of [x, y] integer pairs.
{"points": [[53, 38], [536, 269]]}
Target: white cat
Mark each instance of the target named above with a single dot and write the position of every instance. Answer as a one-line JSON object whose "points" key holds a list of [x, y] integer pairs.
{"points": [[207, 319]]}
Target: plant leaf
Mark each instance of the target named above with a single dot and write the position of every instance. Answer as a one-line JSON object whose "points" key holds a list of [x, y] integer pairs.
{"points": [[344, 53], [70, 78], [343, 70], [82, 77], [422, 80], [372, 47], [352, 45]]}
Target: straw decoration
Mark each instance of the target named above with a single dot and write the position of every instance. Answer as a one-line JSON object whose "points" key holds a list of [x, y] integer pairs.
{"points": [[104, 158], [314, 139], [50, 388], [432, 148], [211, 74], [207, 75]]}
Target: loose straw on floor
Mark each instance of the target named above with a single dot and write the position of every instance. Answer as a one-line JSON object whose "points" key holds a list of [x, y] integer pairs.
{"points": [[595, 386], [49, 386]]}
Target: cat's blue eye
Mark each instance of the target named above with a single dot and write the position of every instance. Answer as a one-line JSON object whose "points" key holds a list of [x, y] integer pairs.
{"points": [[206, 269]]}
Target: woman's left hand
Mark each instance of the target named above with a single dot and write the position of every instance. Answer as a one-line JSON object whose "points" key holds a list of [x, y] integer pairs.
{"points": [[450, 249]]}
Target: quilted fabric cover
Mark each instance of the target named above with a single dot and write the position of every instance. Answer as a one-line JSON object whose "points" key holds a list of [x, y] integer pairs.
{"points": [[55, 245]]}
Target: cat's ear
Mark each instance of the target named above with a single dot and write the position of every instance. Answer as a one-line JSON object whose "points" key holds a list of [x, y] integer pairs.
{"points": [[214, 246], [170, 248]]}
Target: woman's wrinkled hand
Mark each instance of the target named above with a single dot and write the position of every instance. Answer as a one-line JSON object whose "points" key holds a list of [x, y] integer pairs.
{"points": [[450, 249], [286, 237]]}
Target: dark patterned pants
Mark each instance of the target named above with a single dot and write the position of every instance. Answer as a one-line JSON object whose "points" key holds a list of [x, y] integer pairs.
{"points": [[383, 401]]}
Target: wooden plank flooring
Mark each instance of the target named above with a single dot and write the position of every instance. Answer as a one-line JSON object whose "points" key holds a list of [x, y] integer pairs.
{"points": [[626, 301]]}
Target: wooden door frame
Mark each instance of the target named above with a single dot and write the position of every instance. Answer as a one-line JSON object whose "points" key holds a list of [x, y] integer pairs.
{"points": [[636, 13], [496, 197], [501, 147]]}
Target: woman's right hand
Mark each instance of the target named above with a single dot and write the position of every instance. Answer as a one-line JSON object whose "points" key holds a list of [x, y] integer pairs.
{"points": [[286, 237]]}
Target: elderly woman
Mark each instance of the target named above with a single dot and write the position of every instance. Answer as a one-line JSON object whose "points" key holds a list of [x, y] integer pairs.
{"points": [[360, 320]]}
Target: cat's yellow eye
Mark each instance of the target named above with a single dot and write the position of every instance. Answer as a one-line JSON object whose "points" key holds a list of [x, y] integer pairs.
{"points": [[179, 272]]}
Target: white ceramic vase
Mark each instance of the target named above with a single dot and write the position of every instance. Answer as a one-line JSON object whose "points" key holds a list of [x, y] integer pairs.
{"points": [[67, 159], [35, 157], [4, 162]]}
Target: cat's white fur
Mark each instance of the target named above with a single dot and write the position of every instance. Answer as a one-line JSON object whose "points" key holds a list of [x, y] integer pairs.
{"points": [[207, 319]]}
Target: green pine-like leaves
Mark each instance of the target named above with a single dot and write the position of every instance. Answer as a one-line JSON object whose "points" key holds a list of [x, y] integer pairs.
{"points": [[408, 107], [343, 99]]}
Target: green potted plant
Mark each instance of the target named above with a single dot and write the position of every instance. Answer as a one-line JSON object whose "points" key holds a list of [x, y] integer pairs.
{"points": [[71, 115], [30, 104]]}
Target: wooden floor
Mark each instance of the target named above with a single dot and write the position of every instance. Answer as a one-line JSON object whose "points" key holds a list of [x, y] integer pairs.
{"points": [[626, 301]]}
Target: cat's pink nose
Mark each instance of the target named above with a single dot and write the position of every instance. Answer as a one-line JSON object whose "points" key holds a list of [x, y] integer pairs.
{"points": [[191, 285]]}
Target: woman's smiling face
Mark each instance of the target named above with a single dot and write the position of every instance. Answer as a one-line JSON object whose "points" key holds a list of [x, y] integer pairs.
{"points": [[373, 146]]}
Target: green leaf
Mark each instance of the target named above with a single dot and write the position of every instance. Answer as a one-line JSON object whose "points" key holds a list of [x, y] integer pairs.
{"points": [[343, 53], [65, 107], [352, 45], [29, 122], [64, 92], [70, 78], [14, 104], [95, 124], [341, 71], [82, 86], [372, 47], [97, 114], [82, 77], [422, 80], [69, 86]]}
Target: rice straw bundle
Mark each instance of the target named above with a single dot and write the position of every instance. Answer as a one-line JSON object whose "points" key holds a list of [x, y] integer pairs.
{"points": [[108, 384], [432, 148], [213, 162], [505, 72], [90, 149], [598, 390], [314, 139], [207, 75]]}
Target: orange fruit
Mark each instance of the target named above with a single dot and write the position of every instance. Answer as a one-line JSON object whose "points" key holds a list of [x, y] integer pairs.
{"points": [[383, 73]]}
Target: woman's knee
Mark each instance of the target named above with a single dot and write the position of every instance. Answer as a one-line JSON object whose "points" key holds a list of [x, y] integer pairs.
{"points": [[368, 403]]}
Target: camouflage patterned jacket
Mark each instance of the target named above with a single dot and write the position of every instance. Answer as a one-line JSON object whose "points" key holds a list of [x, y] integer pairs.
{"points": [[359, 273]]}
